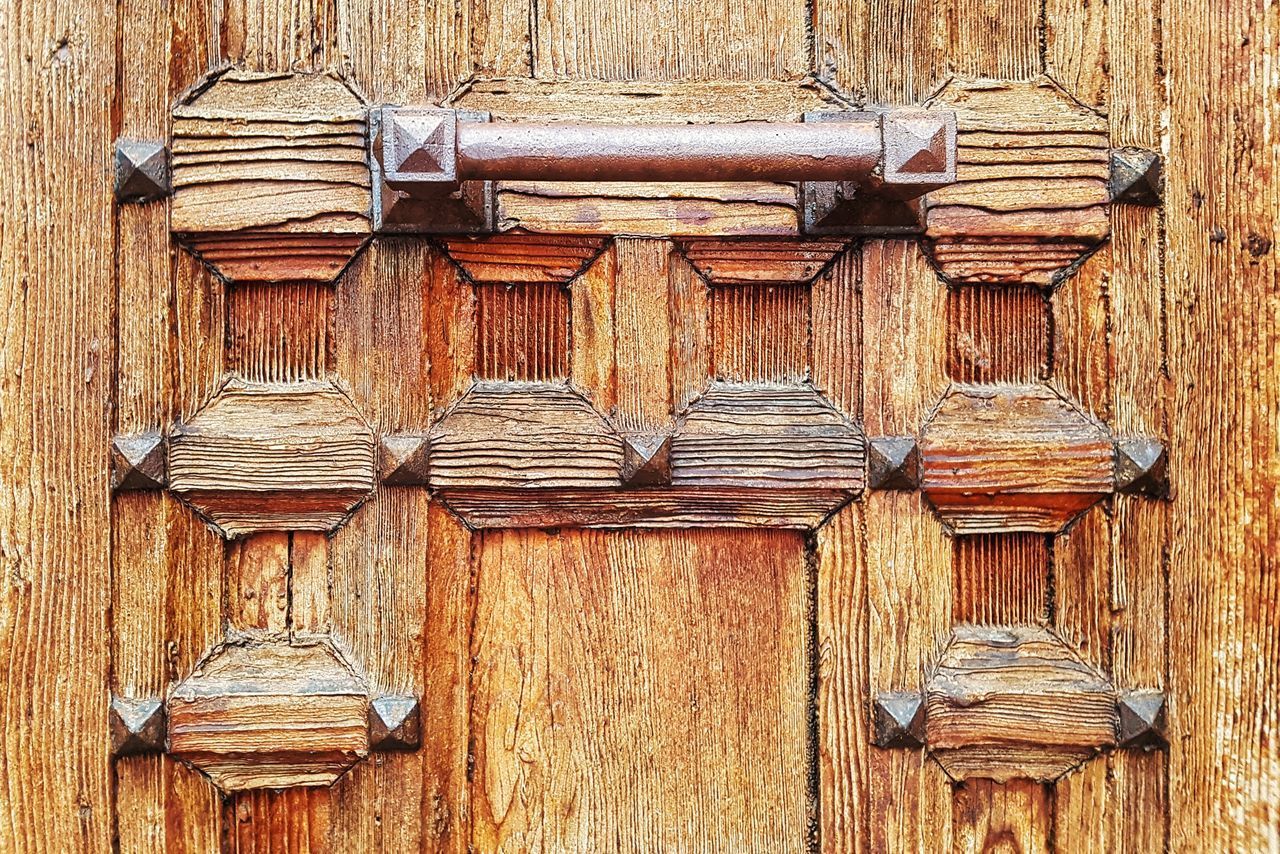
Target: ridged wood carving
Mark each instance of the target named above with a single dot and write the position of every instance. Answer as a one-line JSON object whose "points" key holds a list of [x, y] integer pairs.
{"points": [[1015, 702], [293, 456], [1031, 194], [742, 262], [270, 176], [761, 436], [518, 258], [270, 715], [1012, 458]]}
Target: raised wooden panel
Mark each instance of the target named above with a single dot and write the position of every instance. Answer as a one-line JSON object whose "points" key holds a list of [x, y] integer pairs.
{"points": [[524, 435], [738, 262], [519, 258], [270, 176], [760, 333], [1031, 195], [270, 715], [759, 436], [1012, 458], [1015, 701], [285, 456]]}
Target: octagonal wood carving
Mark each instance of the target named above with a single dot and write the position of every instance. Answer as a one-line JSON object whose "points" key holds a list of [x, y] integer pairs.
{"points": [[270, 176], [270, 715], [267, 457], [1012, 458]]}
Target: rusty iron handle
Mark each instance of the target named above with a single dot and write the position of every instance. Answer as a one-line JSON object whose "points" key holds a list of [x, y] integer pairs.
{"points": [[910, 150]]}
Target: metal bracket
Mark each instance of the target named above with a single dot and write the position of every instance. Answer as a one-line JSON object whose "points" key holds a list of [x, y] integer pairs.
{"points": [[918, 155], [860, 172]]}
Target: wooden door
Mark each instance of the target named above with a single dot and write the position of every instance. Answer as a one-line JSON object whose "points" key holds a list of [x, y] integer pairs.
{"points": [[646, 516]]}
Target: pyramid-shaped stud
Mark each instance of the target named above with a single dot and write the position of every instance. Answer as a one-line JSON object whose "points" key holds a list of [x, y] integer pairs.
{"points": [[402, 460], [138, 461], [136, 726], [898, 719], [395, 723], [1135, 176], [893, 462], [142, 170], [1142, 466], [646, 459], [417, 146], [919, 146], [1142, 719]]}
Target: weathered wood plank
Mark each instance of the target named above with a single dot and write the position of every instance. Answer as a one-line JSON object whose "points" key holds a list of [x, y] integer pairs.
{"points": [[522, 333], [997, 334], [1221, 275], [59, 72], [568, 755]]}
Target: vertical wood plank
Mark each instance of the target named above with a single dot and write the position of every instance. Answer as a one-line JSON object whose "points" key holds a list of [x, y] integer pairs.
{"points": [[908, 557], [309, 584], [1014, 816], [997, 334], [1224, 587], [690, 356], [257, 579], [642, 328], [279, 332], [57, 357], [625, 680]]}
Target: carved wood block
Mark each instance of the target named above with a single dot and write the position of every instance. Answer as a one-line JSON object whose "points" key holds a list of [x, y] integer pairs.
{"points": [[1012, 458], [270, 176], [274, 457], [1031, 191], [524, 436], [517, 258], [738, 262], [1009, 702], [270, 716], [762, 436]]}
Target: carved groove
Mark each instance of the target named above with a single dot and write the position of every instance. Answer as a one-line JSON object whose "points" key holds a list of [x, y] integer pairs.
{"points": [[522, 332], [760, 333]]}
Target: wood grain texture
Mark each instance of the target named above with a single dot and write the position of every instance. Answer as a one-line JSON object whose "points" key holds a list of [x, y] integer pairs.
{"points": [[1013, 816], [908, 554], [257, 580], [279, 333], [56, 268], [274, 715], [627, 40], [523, 435], [517, 258], [1012, 458], [997, 334], [270, 176], [274, 457], [522, 333], [1221, 273], [760, 333], [646, 209], [761, 436], [1015, 702], [1001, 579], [571, 754], [743, 262], [1030, 196]]}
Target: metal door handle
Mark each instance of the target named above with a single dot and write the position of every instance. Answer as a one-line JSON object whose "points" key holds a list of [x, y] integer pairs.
{"points": [[897, 154]]}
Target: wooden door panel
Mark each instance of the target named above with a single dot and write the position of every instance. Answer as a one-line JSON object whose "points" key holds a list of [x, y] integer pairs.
{"points": [[639, 690], [843, 542]]}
